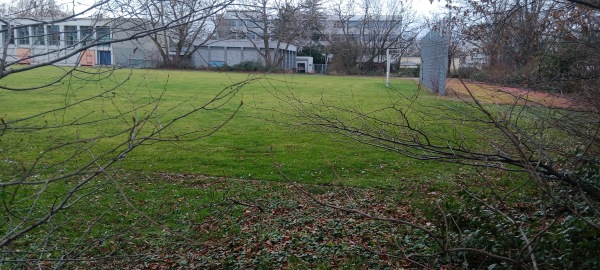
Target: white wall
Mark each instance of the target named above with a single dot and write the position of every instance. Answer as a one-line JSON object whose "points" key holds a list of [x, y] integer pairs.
{"points": [[121, 53]]}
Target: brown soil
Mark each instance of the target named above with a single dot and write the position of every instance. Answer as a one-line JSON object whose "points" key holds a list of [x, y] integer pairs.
{"points": [[495, 94]]}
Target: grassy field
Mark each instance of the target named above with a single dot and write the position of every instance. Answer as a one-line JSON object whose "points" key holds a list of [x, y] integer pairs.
{"points": [[245, 147], [204, 199]]}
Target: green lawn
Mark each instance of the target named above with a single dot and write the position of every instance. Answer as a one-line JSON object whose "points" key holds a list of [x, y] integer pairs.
{"points": [[173, 201], [245, 147]]}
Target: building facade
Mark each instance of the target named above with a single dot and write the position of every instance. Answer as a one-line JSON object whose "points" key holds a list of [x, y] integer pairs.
{"points": [[75, 42], [106, 42], [230, 52]]}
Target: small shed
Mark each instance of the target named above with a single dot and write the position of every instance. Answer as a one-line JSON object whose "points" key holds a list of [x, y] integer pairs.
{"points": [[304, 64]]}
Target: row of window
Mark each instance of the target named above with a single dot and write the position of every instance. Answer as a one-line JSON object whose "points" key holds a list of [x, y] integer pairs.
{"points": [[366, 24], [237, 35], [362, 37], [51, 34], [235, 23], [381, 24]]}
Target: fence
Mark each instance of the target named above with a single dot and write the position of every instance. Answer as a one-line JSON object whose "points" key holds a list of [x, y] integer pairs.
{"points": [[434, 62]]}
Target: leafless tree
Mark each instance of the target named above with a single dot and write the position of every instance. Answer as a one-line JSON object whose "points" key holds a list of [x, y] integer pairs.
{"points": [[518, 37], [449, 25], [547, 155], [313, 15], [271, 27], [35, 9], [188, 25], [367, 29], [43, 196]]}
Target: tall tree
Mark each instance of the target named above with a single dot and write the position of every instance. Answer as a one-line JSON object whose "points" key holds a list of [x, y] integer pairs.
{"points": [[510, 32], [187, 24], [379, 25], [43, 195], [538, 44], [548, 156], [35, 9], [271, 27]]}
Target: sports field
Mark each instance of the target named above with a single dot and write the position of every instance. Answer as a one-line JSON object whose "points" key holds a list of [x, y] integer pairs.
{"points": [[259, 132], [208, 169]]}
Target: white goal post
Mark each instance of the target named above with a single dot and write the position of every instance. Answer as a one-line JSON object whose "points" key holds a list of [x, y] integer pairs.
{"points": [[390, 54]]}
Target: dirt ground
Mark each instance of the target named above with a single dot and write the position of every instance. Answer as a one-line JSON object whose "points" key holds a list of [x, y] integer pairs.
{"points": [[488, 93]]}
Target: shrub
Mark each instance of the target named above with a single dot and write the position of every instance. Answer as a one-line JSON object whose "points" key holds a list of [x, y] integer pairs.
{"points": [[559, 239], [409, 72], [249, 65], [315, 53], [465, 72]]}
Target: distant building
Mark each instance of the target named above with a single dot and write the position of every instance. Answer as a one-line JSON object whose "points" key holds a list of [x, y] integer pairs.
{"points": [[237, 39], [473, 56], [415, 62], [409, 62], [230, 52], [248, 25], [304, 64], [40, 41]]}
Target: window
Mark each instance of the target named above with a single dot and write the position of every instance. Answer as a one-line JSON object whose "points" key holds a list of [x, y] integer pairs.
{"points": [[71, 35], [23, 35], [5, 35], [232, 23], [53, 34], [103, 34], [354, 24], [39, 37], [249, 23], [104, 58], [379, 24], [86, 34]]}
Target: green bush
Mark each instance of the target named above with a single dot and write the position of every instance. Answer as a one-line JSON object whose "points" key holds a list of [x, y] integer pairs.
{"points": [[465, 72], [249, 65], [558, 238], [409, 72], [315, 53], [245, 66]]}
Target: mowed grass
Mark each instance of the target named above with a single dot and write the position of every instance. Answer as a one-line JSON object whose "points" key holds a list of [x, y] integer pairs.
{"points": [[245, 147], [181, 201]]}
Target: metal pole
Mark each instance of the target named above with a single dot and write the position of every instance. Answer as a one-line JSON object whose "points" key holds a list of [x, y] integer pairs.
{"points": [[387, 73]]}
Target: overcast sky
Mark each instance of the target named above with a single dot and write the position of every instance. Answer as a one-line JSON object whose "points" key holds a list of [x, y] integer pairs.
{"points": [[426, 8], [422, 7]]}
